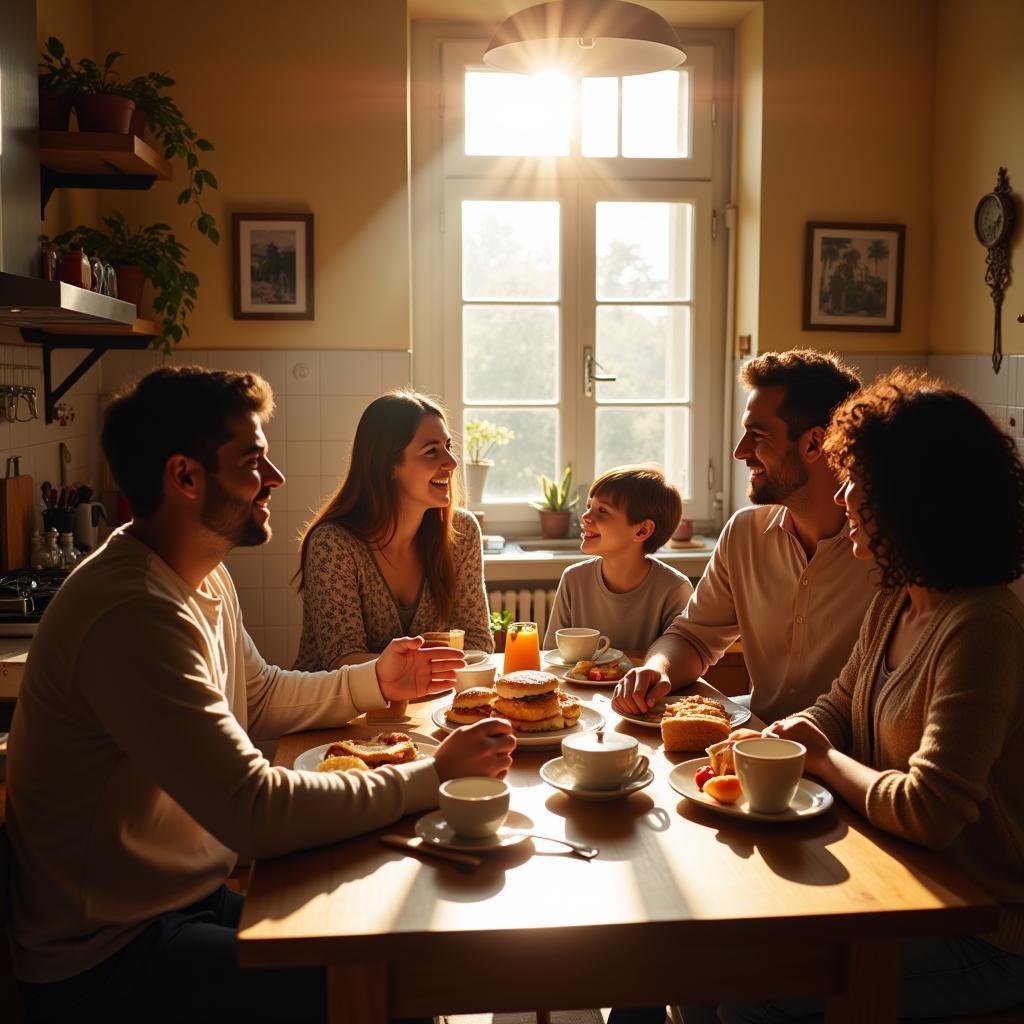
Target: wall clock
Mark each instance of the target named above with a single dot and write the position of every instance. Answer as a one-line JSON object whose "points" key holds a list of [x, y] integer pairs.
{"points": [[994, 218]]}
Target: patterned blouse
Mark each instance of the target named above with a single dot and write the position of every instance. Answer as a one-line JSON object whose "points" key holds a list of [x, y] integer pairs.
{"points": [[347, 605]]}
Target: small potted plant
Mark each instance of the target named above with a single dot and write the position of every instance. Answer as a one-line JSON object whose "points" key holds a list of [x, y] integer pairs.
{"points": [[500, 621], [151, 253], [100, 102], [557, 505], [481, 437], [56, 87]]}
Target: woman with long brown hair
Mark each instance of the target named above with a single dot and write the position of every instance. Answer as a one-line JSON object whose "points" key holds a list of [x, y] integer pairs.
{"points": [[391, 554]]}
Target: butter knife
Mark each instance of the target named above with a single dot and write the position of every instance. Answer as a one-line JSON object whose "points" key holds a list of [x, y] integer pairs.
{"points": [[414, 844]]}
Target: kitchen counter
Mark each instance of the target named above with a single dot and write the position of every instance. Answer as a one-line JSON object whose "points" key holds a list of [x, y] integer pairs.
{"points": [[13, 652], [523, 564]]}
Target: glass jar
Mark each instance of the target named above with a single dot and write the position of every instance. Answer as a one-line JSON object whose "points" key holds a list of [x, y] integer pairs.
{"points": [[70, 555], [49, 554]]}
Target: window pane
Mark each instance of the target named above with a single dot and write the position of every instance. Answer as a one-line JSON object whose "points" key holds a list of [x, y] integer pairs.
{"points": [[509, 250], [655, 109], [639, 434], [647, 348], [599, 116], [643, 250], [517, 115], [510, 353], [513, 477]]}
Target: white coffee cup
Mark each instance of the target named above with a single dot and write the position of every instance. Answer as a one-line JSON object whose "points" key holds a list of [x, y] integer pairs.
{"points": [[481, 674], [769, 769], [603, 760], [578, 644], [476, 806]]}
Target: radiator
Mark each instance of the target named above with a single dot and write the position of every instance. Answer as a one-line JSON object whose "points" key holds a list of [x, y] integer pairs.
{"points": [[525, 605]]}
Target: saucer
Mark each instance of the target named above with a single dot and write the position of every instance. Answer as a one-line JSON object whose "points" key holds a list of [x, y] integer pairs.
{"points": [[433, 829], [556, 773], [811, 798], [554, 657]]}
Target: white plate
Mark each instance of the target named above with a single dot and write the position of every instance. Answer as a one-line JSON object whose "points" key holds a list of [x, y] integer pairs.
{"points": [[555, 657], [811, 798], [309, 759], [433, 829], [556, 773], [578, 680], [589, 720], [737, 713]]}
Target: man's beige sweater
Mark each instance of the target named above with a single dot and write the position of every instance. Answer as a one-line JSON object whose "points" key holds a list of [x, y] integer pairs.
{"points": [[132, 781], [947, 734]]}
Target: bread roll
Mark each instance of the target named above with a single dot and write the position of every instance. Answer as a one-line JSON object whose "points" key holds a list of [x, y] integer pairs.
{"points": [[527, 683], [471, 705], [529, 711]]}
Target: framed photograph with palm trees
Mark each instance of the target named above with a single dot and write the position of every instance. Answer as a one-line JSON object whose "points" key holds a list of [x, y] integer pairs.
{"points": [[853, 278]]}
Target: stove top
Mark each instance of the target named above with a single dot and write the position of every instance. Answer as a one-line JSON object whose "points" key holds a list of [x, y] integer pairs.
{"points": [[24, 595]]}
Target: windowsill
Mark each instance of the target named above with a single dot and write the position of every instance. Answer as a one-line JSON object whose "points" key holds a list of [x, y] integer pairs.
{"points": [[516, 565]]}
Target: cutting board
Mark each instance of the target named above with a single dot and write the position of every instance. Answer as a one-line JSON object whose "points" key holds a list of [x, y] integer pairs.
{"points": [[17, 513]]}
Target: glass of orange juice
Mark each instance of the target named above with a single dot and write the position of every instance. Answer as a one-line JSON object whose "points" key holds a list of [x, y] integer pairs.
{"points": [[522, 647]]}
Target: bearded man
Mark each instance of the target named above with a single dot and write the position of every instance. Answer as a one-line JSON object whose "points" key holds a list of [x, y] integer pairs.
{"points": [[782, 578]]}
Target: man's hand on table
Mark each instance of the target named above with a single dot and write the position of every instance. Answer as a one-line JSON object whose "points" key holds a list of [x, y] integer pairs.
{"points": [[640, 689], [406, 671], [483, 748]]}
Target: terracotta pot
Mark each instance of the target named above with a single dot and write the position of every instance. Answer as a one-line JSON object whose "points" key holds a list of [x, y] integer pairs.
{"points": [[554, 525], [137, 125], [101, 112], [129, 283], [54, 110]]}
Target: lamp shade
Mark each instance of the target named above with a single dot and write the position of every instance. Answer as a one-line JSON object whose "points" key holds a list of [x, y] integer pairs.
{"points": [[585, 38]]}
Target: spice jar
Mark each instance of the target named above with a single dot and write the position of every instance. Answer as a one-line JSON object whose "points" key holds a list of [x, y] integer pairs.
{"points": [[75, 268]]}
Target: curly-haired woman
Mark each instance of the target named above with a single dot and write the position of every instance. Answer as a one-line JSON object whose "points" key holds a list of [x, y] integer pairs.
{"points": [[390, 554], [922, 732]]}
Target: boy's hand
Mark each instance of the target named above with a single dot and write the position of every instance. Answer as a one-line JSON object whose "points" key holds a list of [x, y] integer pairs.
{"points": [[406, 671], [640, 689], [483, 748]]}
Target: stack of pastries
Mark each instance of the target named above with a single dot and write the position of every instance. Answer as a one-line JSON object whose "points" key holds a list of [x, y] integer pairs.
{"points": [[530, 700]]}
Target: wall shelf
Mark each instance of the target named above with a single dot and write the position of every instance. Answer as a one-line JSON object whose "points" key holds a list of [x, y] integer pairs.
{"points": [[97, 160]]}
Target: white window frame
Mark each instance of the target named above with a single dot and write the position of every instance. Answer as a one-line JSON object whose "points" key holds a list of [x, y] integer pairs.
{"points": [[443, 175]]}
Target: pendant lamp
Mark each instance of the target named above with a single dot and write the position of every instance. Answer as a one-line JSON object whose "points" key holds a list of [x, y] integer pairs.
{"points": [[585, 38]]}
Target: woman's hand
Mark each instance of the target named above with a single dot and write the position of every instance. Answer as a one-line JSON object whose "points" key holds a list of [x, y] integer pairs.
{"points": [[406, 671], [483, 748], [806, 732], [639, 690]]}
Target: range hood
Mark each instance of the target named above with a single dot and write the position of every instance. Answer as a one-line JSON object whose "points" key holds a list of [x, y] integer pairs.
{"points": [[30, 302]]}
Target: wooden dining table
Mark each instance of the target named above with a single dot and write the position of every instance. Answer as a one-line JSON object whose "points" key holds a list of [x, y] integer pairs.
{"points": [[683, 904]]}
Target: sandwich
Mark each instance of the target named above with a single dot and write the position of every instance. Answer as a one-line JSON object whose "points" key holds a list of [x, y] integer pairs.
{"points": [[384, 748], [529, 700], [721, 753], [471, 705], [694, 723]]}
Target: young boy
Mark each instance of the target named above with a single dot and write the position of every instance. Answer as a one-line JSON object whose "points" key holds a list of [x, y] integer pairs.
{"points": [[624, 592]]}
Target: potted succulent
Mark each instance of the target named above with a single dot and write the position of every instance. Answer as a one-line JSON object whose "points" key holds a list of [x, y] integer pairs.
{"points": [[97, 90], [151, 253], [481, 437], [557, 505]]}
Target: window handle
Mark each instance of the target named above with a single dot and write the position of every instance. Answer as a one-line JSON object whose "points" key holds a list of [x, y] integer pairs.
{"points": [[590, 364]]}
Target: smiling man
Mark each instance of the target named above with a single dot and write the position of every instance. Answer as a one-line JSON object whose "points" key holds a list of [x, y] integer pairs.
{"points": [[133, 782], [782, 577]]}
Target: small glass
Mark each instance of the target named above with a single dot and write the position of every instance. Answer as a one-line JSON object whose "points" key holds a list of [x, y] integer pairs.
{"points": [[445, 638], [522, 647]]}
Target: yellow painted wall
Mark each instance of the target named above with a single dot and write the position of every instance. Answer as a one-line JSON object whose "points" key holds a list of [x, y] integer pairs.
{"points": [[306, 105], [848, 95], [979, 127], [750, 101]]}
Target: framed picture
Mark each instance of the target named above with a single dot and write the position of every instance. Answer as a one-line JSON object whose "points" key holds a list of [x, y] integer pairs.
{"points": [[273, 266], [853, 278]]}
